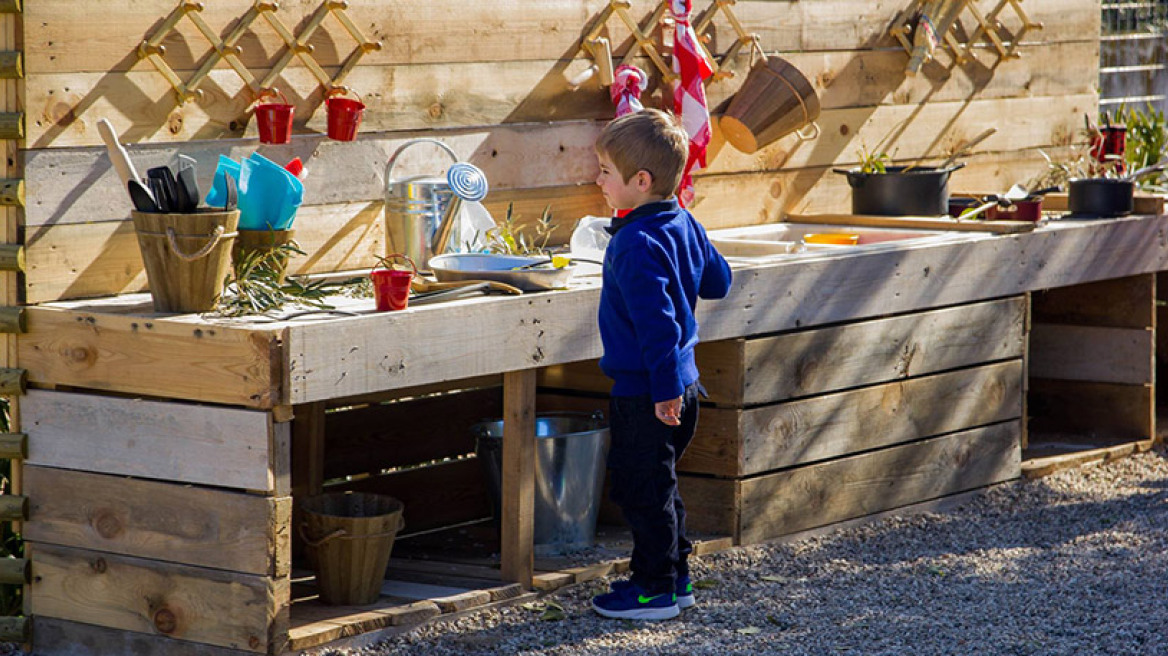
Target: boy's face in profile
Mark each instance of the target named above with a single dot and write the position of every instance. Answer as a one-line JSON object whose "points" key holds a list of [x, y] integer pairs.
{"points": [[621, 195]]}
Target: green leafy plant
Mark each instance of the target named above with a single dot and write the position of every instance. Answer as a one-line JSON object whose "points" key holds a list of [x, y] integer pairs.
{"points": [[872, 161], [509, 238], [1147, 143], [255, 284]]}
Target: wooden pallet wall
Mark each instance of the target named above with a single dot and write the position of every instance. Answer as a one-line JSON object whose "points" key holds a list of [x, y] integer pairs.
{"points": [[499, 98]]}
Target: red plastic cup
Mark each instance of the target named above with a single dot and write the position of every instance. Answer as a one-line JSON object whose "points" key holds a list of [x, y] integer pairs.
{"points": [[391, 287], [344, 115], [274, 120]]}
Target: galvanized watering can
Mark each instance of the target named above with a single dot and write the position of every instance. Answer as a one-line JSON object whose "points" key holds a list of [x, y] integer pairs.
{"points": [[414, 207]]}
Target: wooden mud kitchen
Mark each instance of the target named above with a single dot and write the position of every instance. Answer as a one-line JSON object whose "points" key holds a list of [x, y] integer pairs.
{"points": [[161, 461]]}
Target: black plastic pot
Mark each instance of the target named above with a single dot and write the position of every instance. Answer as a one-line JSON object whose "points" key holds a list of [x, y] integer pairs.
{"points": [[1100, 197], [919, 191]]}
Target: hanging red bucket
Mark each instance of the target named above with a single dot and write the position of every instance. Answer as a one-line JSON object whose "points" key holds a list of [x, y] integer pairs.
{"points": [[344, 114], [274, 119], [391, 287]]}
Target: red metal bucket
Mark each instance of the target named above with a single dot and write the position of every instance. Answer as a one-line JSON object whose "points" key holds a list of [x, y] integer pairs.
{"points": [[344, 115], [391, 287], [274, 119]]}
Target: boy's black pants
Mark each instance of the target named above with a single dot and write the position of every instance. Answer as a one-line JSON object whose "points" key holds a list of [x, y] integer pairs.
{"points": [[642, 457]]}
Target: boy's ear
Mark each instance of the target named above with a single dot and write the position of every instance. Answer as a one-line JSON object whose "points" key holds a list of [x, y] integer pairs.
{"points": [[644, 180]]}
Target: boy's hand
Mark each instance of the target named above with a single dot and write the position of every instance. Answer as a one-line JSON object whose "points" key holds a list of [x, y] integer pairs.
{"points": [[669, 412]]}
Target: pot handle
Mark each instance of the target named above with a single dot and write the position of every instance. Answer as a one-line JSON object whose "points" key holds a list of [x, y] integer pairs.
{"points": [[855, 178]]}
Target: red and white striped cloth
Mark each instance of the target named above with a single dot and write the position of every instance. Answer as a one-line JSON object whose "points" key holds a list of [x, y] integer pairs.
{"points": [[689, 94], [628, 83]]}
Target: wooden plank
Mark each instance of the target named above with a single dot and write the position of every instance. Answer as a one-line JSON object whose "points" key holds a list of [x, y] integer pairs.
{"points": [[56, 637], [1090, 353], [435, 496], [336, 622], [111, 31], [200, 605], [1118, 303], [919, 222], [712, 505], [106, 352], [737, 443], [1081, 456], [806, 497], [77, 185], [519, 332], [176, 523], [1097, 410], [518, 527], [825, 360], [208, 445], [80, 260], [381, 436]]}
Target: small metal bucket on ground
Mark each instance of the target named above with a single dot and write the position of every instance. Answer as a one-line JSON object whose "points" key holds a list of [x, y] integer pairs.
{"points": [[351, 535], [186, 256], [569, 476], [774, 101], [414, 207]]}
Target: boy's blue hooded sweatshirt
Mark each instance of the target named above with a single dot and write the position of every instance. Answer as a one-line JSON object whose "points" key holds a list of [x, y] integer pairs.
{"points": [[658, 263]]}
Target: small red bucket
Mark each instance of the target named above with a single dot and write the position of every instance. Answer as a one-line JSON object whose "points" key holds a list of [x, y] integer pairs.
{"points": [[344, 114], [274, 119], [391, 287]]}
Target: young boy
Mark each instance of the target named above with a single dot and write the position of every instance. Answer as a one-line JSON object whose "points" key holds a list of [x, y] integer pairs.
{"points": [[657, 264]]}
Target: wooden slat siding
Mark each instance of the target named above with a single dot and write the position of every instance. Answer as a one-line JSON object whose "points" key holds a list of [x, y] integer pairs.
{"points": [[225, 447], [1119, 303], [807, 497], [735, 443], [174, 523], [221, 364], [786, 26], [1089, 353], [540, 330], [804, 363], [85, 260], [1105, 411], [437, 496], [77, 185], [428, 96], [712, 505], [381, 436], [224, 609], [55, 637]]}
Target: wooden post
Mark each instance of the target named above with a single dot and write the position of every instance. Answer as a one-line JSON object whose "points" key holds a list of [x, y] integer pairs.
{"points": [[10, 6], [12, 381], [13, 320], [12, 192], [15, 571], [307, 460], [13, 507], [518, 521], [11, 65], [11, 257], [13, 446]]}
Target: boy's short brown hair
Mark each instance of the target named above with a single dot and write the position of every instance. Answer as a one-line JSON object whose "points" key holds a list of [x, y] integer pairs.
{"points": [[649, 140]]}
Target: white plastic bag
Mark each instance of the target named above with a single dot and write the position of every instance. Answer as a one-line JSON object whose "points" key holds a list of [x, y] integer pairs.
{"points": [[588, 241]]}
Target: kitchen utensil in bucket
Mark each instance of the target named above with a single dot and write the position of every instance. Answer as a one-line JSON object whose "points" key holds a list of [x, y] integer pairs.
{"points": [[774, 101], [344, 114], [274, 119], [391, 287], [414, 206], [186, 256]]}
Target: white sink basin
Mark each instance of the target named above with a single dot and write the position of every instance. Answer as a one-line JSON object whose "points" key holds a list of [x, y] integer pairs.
{"points": [[783, 240]]}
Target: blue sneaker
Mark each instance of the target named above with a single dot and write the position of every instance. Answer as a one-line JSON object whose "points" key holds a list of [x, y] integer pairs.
{"points": [[685, 593], [629, 602]]}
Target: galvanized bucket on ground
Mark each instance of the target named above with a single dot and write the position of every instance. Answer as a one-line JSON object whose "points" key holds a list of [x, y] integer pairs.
{"points": [[352, 536], [569, 476]]}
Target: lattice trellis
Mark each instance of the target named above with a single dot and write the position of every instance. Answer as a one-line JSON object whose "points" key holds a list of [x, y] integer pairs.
{"points": [[296, 45], [989, 27], [657, 28]]}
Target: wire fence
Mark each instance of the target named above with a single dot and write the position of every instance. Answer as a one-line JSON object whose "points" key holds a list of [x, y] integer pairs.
{"points": [[1133, 54]]}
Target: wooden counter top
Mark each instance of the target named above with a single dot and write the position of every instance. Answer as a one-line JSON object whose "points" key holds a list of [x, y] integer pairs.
{"points": [[115, 343]]}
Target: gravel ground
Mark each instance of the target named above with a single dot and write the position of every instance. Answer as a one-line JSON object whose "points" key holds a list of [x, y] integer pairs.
{"points": [[1075, 563]]}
